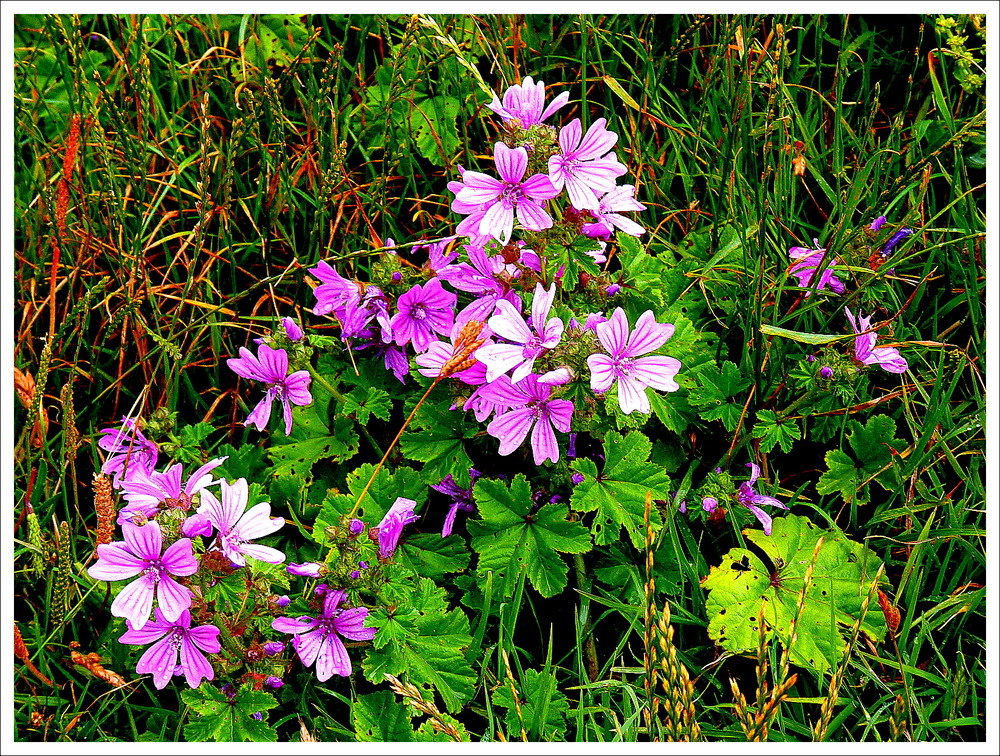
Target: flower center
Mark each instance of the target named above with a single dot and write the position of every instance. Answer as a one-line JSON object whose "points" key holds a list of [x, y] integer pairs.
{"points": [[419, 311], [511, 194]]}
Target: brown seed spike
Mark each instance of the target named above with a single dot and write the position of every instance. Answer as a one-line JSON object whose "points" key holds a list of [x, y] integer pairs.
{"points": [[104, 503]]}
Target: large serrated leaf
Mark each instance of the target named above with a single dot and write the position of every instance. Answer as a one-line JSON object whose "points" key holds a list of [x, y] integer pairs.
{"points": [[428, 644], [618, 492], [510, 537]]}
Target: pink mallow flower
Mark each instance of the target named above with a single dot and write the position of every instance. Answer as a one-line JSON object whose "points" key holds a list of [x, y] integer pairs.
{"points": [[586, 166], [141, 556], [271, 368], [753, 500], [390, 529], [146, 494], [624, 364], [807, 262], [170, 638], [529, 408], [317, 639], [237, 526], [525, 102], [500, 199], [423, 311], [530, 339], [131, 453], [865, 350], [608, 214]]}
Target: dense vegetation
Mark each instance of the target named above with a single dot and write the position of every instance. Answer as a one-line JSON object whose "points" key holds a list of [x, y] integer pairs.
{"points": [[180, 178]]}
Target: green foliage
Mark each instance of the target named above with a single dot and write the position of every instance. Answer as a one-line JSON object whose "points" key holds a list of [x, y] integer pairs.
{"points": [[314, 437], [716, 387], [365, 401], [380, 718], [384, 491], [223, 720], [425, 641], [875, 447], [773, 430], [512, 535], [541, 709], [437, 438], [745, 589], [618, 492]]}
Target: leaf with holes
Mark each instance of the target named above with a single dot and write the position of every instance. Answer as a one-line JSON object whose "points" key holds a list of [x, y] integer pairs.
{"points": [[510, 536], [618, 492], [745, 589]]}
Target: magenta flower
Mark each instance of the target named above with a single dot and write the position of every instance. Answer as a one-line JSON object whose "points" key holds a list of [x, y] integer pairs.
{"points": [[461, 499], [317, 639], [334, 292], [624, 364], [530, 339], [170, 638], [147, 493], [500, 200], [306, 569], [131, 453], [356, 316], [586, 165], [484, 276], [423, 311], [271, 368], [865, 351], [390, 529], [292, 329], [141, 556], [525, 102], [608, 214], [806, 265], [531, 408], [237, 526], [753, 500]]}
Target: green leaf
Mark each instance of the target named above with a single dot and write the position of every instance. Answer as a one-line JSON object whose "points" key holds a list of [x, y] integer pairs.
{"points": [[430, 555], [381, 718], [509, 536], [541, 708], [875, 445], [773, 431], [224, 720], [436, 437], [365, 401], [378, 717], [434, 126], [745, 588], [276, 37], [716, 386], [384, 491], [426, 641], [801, 336], [841, 476], [618, 493], [313, 438]]}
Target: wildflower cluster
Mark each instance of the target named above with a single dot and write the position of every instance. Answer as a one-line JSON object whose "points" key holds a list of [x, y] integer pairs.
{"points": [[499, 284]]}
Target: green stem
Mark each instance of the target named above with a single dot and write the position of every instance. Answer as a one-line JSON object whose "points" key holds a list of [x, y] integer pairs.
{"points": [[392, 445], [589, 649]]}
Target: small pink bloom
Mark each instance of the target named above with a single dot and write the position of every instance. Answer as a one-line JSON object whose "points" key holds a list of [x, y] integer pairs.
{"points": [[237, 526], [865, 350], [170, 638], [141, 556]]}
